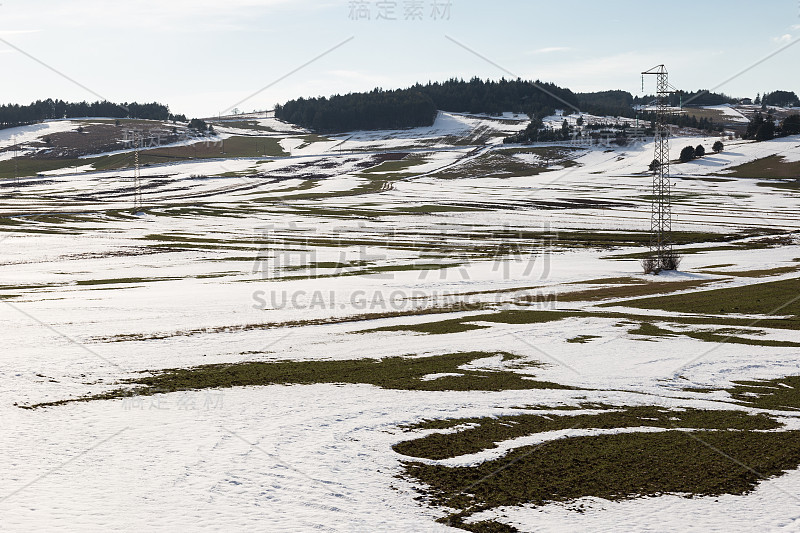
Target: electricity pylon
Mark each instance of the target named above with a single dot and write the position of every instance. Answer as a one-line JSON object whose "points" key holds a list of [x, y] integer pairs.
{"points": [[661, 205], [16, 164], [137, 173]]}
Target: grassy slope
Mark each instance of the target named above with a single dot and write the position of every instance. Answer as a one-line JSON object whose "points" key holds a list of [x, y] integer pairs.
{"points": [[211, 149]]}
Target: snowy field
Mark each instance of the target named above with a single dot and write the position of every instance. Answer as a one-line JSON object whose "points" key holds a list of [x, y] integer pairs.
{"points": [[327, 254]]}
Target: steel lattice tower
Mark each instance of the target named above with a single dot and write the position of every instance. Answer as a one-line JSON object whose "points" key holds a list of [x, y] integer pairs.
{"points": [[16, 164], [661, 208], [137, 174]]}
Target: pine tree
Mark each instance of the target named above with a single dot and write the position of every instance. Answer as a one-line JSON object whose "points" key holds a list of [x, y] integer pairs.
{"points": [[687, 154], [791, 125]]}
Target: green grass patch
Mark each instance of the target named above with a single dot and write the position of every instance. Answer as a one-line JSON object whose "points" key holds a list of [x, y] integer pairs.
{"points": [[443, 327], [782, 393], [123, 281], [582, 339], [395, 165], [763, 273], [237, 146], [609, 239], [485, 433], [784, 185], [244, 125], [623, 280], [770, 298], [403, 373], [727, 336], [417, 311], [458, 325], [768, 239], [27, 167], [773, 166], [526, 316], [628, 291], [612, 467], [496, 164], [723, 265]]}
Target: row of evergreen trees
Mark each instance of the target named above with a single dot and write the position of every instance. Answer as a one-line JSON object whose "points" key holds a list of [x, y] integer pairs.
{"points": [[778, 99], [417, 106], [12, 115], [694, 98], [762, 128], [377, 109], [495, 97]]}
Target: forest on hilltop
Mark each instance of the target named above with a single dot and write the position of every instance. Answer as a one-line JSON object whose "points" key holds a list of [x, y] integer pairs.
{"points": [[416, 106], [12, 115]]}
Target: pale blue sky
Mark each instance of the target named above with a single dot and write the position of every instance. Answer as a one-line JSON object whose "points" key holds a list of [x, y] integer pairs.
{"points": [[201, 57]]}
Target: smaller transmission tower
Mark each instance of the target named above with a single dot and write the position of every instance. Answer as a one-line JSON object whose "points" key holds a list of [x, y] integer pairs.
{"points": [[137, 173], [16, 163], [661, 205]]}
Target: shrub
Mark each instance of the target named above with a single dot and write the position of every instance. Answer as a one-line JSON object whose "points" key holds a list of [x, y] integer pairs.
{"points": [[197, 124], [653, 265], [670, 261], [699, 151], [654, 164], [648, 265], [718, 147], [687, 154]]}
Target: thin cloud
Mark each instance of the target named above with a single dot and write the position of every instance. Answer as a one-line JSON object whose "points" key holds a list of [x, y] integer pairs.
{"points": [[783, 39], [549, 50]]}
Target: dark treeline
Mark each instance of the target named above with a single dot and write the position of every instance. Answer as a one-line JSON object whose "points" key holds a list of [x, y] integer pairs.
{"points": [[417, 105], [18, 115], [495, 97], [695, 98], [780, 99], [378, 109], [764, 128], [608, 103]]}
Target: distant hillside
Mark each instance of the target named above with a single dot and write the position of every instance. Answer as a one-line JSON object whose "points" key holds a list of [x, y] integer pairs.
{"points": [[12, 115], [416, 106]]}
